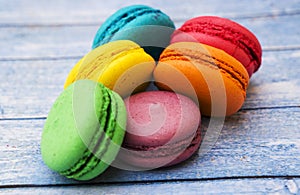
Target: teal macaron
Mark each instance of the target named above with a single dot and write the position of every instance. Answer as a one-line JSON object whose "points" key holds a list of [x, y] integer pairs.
{"points": [[148, 27], [84, 130]]}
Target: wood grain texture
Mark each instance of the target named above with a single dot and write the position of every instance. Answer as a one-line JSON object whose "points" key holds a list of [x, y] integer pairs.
{"points": [[257, 151], [31, 87], [251, 143], [59, 12], [34, 85], [233, 186], [74, 41]]}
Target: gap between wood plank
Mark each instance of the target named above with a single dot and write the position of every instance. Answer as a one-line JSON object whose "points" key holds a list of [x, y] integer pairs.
{"points": [[272, 14], [270, 108], [152, 181], [44, 58], [23, 118]]}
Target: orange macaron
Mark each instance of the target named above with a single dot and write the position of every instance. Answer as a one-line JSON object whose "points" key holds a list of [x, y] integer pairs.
{"points": [[207, 74]]}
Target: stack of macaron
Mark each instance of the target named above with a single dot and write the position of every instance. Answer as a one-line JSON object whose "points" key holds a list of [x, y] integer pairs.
{"points": [[217, 56], [108, 115]]}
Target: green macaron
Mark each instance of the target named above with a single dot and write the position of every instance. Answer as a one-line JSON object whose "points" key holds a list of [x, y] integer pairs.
{"points": [[84, 130]]}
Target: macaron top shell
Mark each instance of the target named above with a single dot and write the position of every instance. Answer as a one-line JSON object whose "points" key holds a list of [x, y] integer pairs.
{"points": [[129, 17], [148, 27], [120, 65], [208, 56], [86, 121], [218, 80], [61, 122], [224, 34], [163, 129], [155, 118]]}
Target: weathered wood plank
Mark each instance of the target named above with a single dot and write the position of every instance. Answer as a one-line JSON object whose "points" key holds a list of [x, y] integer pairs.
{"points": [[66, 41], [277, 83], [54, 12], [251, 143], [41, 40], [233, 186], [28, 88], [37, 42]]}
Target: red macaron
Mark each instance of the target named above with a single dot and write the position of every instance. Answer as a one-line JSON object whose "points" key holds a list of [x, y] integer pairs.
{"points": [[224, 34]]}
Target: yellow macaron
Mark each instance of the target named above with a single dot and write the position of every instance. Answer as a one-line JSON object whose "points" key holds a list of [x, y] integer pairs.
{"points": [[122, 66]]}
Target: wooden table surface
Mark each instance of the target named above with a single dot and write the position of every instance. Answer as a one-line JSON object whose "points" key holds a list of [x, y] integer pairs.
{"points": [[257, 151]]}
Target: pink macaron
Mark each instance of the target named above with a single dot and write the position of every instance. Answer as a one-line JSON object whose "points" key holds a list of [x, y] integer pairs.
{"points": [[224, 34], [163, 129]]}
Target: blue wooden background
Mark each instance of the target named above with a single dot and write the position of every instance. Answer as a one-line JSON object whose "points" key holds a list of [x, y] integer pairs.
{"points": [[258, 150]]}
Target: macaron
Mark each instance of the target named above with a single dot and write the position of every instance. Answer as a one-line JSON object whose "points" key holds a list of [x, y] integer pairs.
{"points": [[218, 79], [84, 130], [225, 34], [148, 27], [163, 129], [122, 66]]}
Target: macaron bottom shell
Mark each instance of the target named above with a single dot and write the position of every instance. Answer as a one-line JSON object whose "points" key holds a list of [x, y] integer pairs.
{"points": [[148, 158]]}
